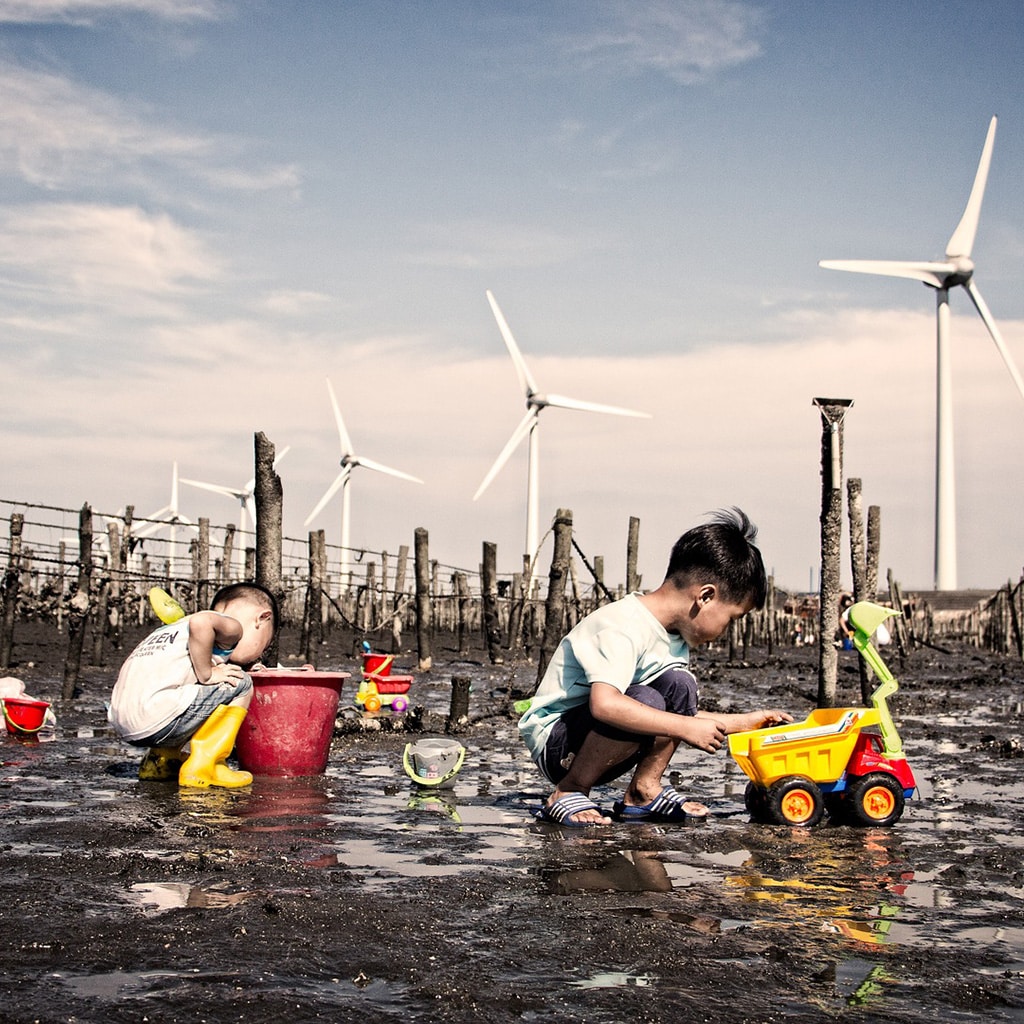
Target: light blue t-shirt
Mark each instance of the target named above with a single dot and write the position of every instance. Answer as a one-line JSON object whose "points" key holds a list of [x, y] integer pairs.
{"points": [[621, 644]]}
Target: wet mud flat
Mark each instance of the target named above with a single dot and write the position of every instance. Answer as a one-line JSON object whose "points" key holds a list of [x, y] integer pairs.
{"points": [[353, 896]]}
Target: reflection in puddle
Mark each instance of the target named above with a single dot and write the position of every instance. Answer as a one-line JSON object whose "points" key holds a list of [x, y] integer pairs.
{"points": [[626, 871], [155, 898], [615, 979]]}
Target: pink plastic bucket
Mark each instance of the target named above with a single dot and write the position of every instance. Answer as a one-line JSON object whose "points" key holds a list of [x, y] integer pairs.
{"points": [[290, 723], [24, 716]]}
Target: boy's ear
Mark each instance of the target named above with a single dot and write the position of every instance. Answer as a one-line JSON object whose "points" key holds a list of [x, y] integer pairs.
{"points": [[708, 592]]}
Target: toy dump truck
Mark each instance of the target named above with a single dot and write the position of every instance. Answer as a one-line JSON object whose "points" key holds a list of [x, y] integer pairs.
{"points": [[846, 761]]}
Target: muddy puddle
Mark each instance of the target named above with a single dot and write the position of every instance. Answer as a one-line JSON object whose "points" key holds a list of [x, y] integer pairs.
{"points": [[354, 896]]}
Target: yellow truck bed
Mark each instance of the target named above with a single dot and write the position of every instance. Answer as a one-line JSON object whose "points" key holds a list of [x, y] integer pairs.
{"points": [[818, 747]]}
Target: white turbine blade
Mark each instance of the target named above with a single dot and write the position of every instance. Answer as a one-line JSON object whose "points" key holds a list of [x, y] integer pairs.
{"points": [[562, 402], [526, 381], [250, 484], [174, 487], [150, 528], [277, 459], [346, 441], [381, 468], [328, 494], [933, 273], [961, 242], [525, 424], [986, 316], [228, 492]]}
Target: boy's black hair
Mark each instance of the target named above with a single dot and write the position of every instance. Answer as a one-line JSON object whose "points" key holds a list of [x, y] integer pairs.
{"points": [[721, 552], [250, 591]]}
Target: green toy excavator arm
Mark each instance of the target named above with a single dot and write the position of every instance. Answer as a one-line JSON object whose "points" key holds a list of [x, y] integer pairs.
{"points": [[866, 617]]}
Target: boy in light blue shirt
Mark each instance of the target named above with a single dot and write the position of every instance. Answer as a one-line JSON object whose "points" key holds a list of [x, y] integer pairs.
{"points": [[618, 696]]}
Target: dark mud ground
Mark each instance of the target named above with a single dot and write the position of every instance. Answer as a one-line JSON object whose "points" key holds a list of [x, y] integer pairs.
{"points": [[346, 897]]}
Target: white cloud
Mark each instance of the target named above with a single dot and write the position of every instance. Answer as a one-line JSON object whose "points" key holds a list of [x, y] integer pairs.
{"points": [[106, 255], [686, 40], [87, 11], [484, 244], [58, 134]]}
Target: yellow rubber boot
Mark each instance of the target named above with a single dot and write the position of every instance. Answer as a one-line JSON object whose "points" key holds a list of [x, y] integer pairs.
{"points": [[161, 764], [211, 743]]}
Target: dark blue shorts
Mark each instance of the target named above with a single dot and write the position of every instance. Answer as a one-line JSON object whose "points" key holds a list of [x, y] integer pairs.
{"points": [[674, 690]]}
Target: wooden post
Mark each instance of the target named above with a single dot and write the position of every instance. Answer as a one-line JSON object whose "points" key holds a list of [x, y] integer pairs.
{"points": [[874, 544], [770, 628], [227, 573], [203, 594], [79, 610], [489, 596], [11, 586], [632, 549], [458, 711], [269, 497], [424, 609], [515, 614], [859, 569], [554, 618], [832, 412], [313, 621], [396, 608], [461, 594], [599, 589]]}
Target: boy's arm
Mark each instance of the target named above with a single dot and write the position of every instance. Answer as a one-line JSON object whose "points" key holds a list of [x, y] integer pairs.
{"points": [[611, 706], [750, 720], [205, 631]]}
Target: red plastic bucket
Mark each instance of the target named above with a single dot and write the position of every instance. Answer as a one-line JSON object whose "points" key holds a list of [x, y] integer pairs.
{"points": [[290, 723], [24, 716], [377, 664]]}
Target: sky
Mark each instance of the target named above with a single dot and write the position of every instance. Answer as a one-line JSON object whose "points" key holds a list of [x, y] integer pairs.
{"points": [[209, 207]]}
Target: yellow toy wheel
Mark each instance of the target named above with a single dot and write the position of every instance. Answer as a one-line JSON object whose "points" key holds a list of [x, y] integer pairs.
{"points": [[795, 801]]}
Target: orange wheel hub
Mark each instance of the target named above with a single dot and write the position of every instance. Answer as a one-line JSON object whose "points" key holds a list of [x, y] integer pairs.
{"points": [[798, 805], [878, 802]]}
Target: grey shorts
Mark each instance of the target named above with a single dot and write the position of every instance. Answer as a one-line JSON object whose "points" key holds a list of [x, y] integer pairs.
{"points": [[675, 690], [209, 698]]}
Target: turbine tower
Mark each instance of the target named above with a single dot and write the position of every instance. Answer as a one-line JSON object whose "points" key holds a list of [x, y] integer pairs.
{"points": [[528, 427], [349, 460], [170, 517], [245, 496], [956, 270]]}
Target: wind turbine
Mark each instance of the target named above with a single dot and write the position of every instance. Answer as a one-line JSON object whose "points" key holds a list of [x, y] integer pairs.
{"points": [[956, 269], [535, 402], [244, 495], [349, 460], [168, 516]]}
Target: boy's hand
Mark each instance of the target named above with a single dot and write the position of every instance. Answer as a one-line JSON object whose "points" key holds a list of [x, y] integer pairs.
{"points": [[703, 733], [768, 716], [226, 673]]}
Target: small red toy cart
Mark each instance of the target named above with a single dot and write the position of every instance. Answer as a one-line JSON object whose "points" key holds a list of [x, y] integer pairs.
{"points": [[379, 688], [847, 761]]}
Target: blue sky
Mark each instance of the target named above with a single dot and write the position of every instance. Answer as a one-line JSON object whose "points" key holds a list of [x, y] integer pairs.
{"points": [[209, 207]]}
